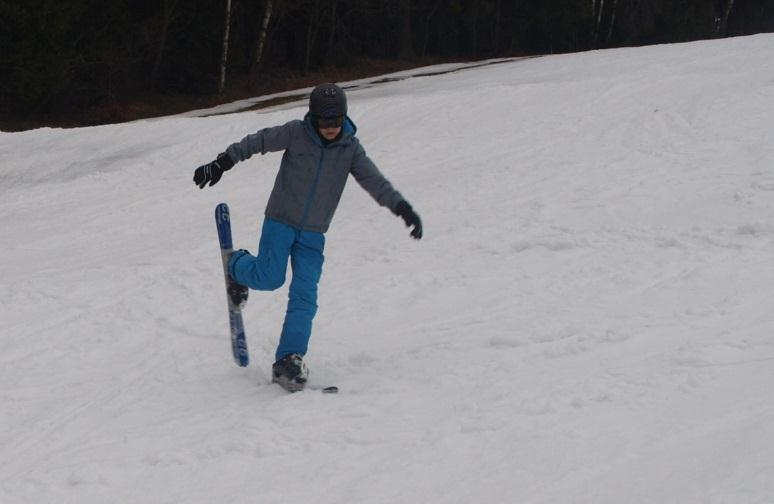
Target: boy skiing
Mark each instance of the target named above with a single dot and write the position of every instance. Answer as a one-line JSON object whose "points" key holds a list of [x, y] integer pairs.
{"points": [[320, 152]]}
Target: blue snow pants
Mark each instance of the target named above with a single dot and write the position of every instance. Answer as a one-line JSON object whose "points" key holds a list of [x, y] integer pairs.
{"points": [[267, 272]]}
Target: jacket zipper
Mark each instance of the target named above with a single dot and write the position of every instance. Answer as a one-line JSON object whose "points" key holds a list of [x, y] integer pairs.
{"points": [[313, 190]]}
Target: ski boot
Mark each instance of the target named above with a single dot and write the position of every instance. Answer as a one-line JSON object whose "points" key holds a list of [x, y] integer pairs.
{"points": [[290, 373], [237, 292]]}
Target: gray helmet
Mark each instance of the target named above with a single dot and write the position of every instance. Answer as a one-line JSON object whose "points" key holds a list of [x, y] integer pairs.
{"points": [[328, 100]]}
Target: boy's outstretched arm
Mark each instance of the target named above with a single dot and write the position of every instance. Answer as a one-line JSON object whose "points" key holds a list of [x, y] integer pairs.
{"points": [[371, 179], [272, 139]]}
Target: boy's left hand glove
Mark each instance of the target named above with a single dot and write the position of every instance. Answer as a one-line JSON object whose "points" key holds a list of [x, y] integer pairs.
{"points": [[211, 172], [410, 217]]}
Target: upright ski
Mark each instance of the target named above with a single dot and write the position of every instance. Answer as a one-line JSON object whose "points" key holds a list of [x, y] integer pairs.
{"points": [[238, 341]]}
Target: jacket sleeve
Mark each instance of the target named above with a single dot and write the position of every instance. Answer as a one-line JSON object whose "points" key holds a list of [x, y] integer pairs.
{"points": [[371, 179], [277, 138]]}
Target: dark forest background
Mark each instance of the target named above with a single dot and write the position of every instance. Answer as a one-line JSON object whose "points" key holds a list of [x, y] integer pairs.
{"points": [[67, 62]]}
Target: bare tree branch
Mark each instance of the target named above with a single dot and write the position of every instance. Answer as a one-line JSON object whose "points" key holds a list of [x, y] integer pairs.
{"points": [[224, 54]]}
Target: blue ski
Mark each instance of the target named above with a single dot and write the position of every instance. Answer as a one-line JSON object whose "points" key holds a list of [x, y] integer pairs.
{"points": [[238, 341]]}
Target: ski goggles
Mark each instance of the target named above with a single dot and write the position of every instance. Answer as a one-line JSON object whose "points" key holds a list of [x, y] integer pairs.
{"points": [[329, 122]]}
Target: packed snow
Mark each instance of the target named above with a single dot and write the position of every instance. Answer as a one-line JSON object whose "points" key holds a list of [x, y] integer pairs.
{"points": [[588, 318]]}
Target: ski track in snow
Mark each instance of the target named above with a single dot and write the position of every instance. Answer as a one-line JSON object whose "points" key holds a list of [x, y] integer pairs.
{"points": [[588, 318]]}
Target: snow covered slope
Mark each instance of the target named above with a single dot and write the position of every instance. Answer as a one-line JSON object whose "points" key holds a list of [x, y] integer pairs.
{"points": [[587, 320]]}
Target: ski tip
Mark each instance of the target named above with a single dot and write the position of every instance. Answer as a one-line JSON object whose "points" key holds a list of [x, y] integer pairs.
{"points": [[330, 390], [222, 212]]}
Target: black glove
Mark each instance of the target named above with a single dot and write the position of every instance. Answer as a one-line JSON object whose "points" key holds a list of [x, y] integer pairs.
{"points": [[211, 172], [404, 210]]}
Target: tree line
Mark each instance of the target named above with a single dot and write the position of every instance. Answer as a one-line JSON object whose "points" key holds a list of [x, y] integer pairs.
{"points": [[67, 54]]}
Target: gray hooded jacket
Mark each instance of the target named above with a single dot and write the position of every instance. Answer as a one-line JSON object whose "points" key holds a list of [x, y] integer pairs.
{"points": [[312, 175]]}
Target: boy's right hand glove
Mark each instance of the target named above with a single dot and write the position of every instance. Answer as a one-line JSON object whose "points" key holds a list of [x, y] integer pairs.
{"points": [[211, 172], [410, 217]]}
